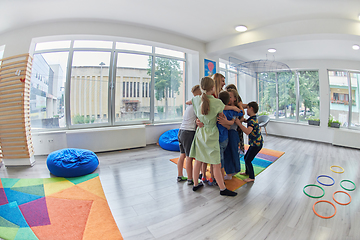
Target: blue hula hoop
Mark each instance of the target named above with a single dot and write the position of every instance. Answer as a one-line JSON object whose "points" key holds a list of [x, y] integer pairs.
{"points": [[325, 184]]}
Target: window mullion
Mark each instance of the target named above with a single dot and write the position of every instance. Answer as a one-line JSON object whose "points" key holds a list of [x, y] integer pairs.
{"points": [[67, 86], [350, 99], [152, 87], [297, 87]]}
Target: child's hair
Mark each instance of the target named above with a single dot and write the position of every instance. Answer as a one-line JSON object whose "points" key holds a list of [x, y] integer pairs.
{"points": [[206, 84], [236, 95], [217, 79], [254, 105], [224, 97], [230, 86], [195, 88]]}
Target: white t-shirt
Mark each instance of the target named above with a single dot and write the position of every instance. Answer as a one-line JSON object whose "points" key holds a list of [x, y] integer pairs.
{"points": [[189, 119]]}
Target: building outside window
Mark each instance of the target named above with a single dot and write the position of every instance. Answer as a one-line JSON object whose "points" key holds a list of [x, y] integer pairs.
{"points": [[344, 98], [47, 102], [95, 82]]}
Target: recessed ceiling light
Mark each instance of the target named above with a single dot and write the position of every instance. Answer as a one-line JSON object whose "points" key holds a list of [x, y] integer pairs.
{"points": [[356, 47], [271, 50], [241, 28]]}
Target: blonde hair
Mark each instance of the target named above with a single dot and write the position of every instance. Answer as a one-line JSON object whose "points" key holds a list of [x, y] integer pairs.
{"points": [[206, 84], [217, 79], [195, 88]]}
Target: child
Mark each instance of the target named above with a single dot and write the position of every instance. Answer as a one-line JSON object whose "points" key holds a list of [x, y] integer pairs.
{"points": [[205, 146], [224, 127], [255, 139], [241, 106], [186, 136], [232, 162]]}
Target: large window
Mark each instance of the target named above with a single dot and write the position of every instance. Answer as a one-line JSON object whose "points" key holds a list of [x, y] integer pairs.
{"points": [[289, 96], [267, 98], [169, 88], [84, 83], [89, 87], [47, 101], [131, 102], [229, 72], [344, 98], [309, 98]]}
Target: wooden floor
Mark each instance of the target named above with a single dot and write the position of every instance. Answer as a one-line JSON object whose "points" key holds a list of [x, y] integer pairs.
{"points": [[148, 203]]}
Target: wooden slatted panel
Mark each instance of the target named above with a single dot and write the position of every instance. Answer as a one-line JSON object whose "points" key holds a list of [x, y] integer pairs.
{"points": [[15, 130]]}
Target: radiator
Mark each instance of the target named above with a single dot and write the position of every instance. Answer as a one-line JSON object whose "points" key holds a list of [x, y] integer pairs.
{"points": [[107, 139]]}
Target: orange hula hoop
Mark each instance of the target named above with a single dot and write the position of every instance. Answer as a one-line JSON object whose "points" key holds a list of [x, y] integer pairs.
{"points": [[319, 214], [340, 202]]}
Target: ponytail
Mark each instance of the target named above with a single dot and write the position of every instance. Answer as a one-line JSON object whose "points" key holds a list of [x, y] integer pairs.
{"points": [[205, 105], [206, 84]]}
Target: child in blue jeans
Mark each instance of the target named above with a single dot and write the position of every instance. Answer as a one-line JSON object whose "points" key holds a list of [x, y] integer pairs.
{"points": [[224, 126], [255, 139]]}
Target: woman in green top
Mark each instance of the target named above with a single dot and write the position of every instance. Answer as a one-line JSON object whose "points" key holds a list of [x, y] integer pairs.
{"points": [[205, 146]]}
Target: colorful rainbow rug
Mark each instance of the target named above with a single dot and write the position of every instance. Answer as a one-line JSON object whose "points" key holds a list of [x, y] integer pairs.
{"points": [[55, 208], [262, 160]]}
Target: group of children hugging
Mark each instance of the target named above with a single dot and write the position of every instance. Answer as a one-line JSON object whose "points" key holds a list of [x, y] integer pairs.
{"points": [[212, 133]]}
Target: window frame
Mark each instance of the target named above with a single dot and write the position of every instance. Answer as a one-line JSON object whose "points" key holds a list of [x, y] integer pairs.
{"points": [[349, 94], [111, 84]]}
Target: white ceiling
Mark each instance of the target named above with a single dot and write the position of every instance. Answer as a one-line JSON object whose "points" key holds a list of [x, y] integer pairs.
{"points": [[209, 21]]}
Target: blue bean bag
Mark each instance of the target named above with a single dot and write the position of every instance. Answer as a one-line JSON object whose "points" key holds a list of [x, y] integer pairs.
{"points": [[72, 162], [169, 140]]}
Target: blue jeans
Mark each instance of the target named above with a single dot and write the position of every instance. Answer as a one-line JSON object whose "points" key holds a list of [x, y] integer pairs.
{"points": [[223, 146], [249, 157]]}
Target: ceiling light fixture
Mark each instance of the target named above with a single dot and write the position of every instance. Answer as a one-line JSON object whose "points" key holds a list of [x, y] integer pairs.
{"points": [[241, 28], [355, 47], [271, 50]]}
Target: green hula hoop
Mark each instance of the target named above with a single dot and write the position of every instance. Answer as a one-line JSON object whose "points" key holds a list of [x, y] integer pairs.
{"points": [[313, 185], [348, 189]]}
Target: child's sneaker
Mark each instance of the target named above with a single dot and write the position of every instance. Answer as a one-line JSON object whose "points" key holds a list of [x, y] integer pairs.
{"points": [[198, 186], [212, 182], [190, 182], [227, 177], [227, 192], [181, 179], [204, 180]]}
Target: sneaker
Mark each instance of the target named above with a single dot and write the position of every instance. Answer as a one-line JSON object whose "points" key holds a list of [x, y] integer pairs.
{"points": [[227, 177], [212, 182], [227, 192], [181, 179], [195, 188], [190, 182], [204, 180]]}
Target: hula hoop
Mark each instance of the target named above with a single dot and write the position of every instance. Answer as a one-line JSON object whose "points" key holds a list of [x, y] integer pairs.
{"points": [[340, 202], [337, 167], [319, 214], [348, 189], [325, 184], [313, 185]]}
